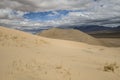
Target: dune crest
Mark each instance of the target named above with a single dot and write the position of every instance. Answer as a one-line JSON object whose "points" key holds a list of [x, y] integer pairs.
{"points": [[42, 58], [17, 38], [70, 34]]}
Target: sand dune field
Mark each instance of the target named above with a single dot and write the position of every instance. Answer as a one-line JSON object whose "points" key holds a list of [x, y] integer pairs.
{"points": [[24, 56]]}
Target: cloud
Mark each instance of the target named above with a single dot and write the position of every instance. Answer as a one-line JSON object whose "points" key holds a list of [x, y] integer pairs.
{"points": [[80, 12], [40, 5], [72, 18], [21, 5], [62, 4], [11, 14]]}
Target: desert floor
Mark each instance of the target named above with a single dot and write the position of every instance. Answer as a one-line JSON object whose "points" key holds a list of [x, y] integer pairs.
{"points": [[29, 57]]}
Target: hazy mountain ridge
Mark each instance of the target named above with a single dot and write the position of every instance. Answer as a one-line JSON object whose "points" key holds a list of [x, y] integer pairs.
{"points": [[96, 28]]}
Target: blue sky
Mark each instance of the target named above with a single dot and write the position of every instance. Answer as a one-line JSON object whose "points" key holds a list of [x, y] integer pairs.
{"points": [[46, 16]]}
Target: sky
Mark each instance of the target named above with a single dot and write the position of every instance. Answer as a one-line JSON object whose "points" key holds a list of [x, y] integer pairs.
{"points": [[43, 14]]}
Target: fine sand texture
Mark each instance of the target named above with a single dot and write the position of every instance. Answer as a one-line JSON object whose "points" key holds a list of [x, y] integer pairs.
{"points": [[25, 56], [70, 34], [109, 38], [111, 42]]}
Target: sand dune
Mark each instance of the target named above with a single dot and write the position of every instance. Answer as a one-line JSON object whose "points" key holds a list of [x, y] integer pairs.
{"points": [[111, 42], [28, 57], [70, 34]]}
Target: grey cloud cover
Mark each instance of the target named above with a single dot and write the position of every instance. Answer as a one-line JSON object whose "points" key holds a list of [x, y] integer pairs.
{"points": [[23, 5], [38, 5], [99, 12]]}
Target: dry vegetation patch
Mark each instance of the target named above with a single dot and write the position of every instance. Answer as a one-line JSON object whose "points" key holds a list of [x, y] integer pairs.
{"points": [[110, 67]]}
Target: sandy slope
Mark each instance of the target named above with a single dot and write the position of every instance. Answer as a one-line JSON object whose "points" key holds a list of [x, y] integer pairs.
{"points": [[111, 41], [27, 57], [70, 34]]}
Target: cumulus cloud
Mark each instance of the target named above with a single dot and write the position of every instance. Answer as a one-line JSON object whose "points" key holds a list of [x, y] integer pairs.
{"points": [[10, 14]]}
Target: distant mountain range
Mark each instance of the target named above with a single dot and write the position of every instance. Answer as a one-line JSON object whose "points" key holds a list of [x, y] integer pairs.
{"points": [[97, 28], [100, 31]]}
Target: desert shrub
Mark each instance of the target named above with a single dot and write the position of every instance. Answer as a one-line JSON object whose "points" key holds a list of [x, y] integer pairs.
{"points": [[110, 67]]}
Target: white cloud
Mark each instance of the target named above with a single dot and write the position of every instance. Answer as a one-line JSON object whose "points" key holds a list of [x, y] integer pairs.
{"points": [[5, 13], [10, 14]]}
